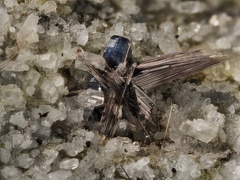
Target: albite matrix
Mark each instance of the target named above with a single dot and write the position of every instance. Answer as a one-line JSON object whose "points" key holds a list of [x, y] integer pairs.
{"points": [[44, 132]]}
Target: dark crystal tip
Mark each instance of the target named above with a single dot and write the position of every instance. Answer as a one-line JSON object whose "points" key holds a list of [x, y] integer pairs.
{"points": [[116, 51]]}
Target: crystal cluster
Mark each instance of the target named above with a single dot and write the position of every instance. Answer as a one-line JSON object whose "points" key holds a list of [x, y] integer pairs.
{"points": [[46, 108]]}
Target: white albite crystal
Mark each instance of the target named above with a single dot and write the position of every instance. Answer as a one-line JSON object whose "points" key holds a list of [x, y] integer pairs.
{"points": [[187, 168], [224, 43], [10, 172], [17, 139], [35, 153], [200, 129], [75, 115], [78, 143], [4, 22], [28, 32], [138, 31], [5, 155], [189, 7], [122, 146], [24, 161], [168, 44], [10, 3], [49, 156], [21, 62], [48, 7], [109, 172], [47, 60], [189, 31], [140, 169], [128, 6], [69, 164], [18, 119], [208, 160], [12, 97], [31, 80], [52, 87], [52, 114], [59, 175], [231, 170]]}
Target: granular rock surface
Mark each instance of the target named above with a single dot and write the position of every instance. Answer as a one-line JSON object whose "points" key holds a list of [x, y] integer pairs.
{"points": [[45, 133]]}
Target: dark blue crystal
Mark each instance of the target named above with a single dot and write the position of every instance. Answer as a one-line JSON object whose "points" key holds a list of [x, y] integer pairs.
{"points": [[116, 51], [93, 84]]}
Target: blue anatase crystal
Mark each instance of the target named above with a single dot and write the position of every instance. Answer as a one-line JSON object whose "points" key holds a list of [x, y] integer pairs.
{"points": [[116, 51], [114, 54]]}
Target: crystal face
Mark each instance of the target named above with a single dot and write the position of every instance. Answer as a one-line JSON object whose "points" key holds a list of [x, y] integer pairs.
{"points": [[116, 51]]}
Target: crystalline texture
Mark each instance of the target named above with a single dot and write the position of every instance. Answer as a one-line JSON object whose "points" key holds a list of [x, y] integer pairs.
{"points": [[18, 119], [24, 161], [189, 7], [4, 22], [59, 175], [200, 129], [28, 32], [187, 168], [138, 31], [47, 60], [69, 164], [12, 98], [231, 170], [10, 172], [49, 6], [52, 87], [168, 44]]}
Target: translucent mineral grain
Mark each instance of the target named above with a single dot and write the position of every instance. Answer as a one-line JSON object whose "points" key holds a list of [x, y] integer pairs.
{"points": [[48, 7], [12, 97], [168, 44], [189, 7], [5, 155], [28, 32], [21, 62], [200, 129], [53, 87], [187, 168], [4, 22], [47, 60], [18, 119], [24, 161], [78, 143], [10, 172], [231, 170], [138, 31], [10, 3], [31, 80], [59, 175], [69, 164], [128, 6], [140, 169]]}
